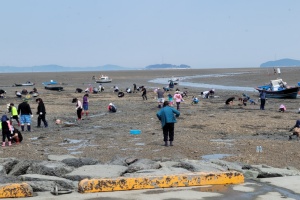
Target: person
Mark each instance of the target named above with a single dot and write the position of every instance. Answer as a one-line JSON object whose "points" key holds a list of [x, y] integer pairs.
{"points": [[134, 88], [116, 89], [41, 112], [95, 90], [14, 112], [195, 100], [121, 94], [101, 88], [262, 96], [24, 91], [18, 94], [85, 104], [178, 98], [212, 92], [128, 90], [78, 90], [16, 136], [25, 113], [167, 117], [90, 88], [160, 97], [229, 101], [2, 93], [6, 129], [205, 94], [171, 84], [144, 93], [296, 130], [112, 107], [282, 108], [78, 108], [252, 102], [170, 99]]}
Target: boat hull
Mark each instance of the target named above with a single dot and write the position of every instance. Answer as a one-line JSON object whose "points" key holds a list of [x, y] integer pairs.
{"points": [[23, 84], [289, 93], [103, 81], [56, 88]]}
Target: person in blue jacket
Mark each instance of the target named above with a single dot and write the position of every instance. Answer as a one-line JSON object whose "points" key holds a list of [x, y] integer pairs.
{"points": [[167, 117]]}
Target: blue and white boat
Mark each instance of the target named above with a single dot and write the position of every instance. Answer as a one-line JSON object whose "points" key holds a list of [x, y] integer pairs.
{"points": [[279, 89]]}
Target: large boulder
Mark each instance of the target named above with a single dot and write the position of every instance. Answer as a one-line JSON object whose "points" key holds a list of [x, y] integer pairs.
{"points": [[9, 164], [201, 166], [96, 171], [21, 167], [51, 168], [62, 182], [59, 157], [78, 162], [143, 164]]}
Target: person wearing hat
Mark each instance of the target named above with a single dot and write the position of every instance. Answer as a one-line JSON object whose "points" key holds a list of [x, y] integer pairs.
{"points": [[25, 113], [41, 112], [178, 98], [160, 97], [166, 115], [78, 108], [112, 107], [6, 129]]}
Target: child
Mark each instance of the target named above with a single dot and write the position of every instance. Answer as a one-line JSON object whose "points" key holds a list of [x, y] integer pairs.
{"points": [[78, 108], [6, 130], [16, 136], [282, 108], [14, 112]]}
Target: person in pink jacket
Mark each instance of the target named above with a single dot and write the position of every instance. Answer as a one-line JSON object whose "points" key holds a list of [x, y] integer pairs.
{"points": [[178, 98]]}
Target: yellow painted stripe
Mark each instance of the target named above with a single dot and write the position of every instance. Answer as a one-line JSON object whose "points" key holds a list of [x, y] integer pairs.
{"points": [[16, 190], [167, 181]]}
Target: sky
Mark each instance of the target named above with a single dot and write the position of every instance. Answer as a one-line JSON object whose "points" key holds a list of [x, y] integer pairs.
{"points": [[138, 33]]}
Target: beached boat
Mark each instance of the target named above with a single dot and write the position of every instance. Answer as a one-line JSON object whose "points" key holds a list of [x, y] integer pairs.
{"points": [[279, 89], [104, 79], [54, 87], [51, 82], [28, 83]]}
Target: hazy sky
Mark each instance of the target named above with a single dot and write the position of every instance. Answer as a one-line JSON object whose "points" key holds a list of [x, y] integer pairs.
{"points": [[137, 33]]}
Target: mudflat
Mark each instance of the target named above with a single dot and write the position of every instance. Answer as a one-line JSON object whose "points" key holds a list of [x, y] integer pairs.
{"points": [[207, 128]]}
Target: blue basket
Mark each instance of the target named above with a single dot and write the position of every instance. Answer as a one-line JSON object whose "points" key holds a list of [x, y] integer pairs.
{"points": [[135, 132]]}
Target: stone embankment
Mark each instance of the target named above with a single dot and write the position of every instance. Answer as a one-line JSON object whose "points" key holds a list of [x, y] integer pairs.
{"points": [[69, 173]]}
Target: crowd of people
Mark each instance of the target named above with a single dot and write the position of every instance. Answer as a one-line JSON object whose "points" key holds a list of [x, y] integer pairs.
{"points": [[167, 112]]}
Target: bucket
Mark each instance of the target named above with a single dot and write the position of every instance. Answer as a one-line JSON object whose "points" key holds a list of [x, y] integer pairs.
{"points": [[135, 132]]}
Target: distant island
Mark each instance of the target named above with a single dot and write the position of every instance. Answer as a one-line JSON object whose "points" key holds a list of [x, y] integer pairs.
{"points": [[282, 63], [167, 66]]}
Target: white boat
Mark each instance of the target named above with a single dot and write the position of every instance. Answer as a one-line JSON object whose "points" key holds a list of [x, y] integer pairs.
{"points": [[28, 83], [104, 79], [174, 80]]}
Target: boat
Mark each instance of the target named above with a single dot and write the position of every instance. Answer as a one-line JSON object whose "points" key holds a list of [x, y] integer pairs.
{"points": [[54, 87], [28, 83], [51, 82], [279, 89], [104, 79]]}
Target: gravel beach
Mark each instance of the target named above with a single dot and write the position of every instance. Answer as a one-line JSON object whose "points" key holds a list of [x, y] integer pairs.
{"points": [[208, 128]]}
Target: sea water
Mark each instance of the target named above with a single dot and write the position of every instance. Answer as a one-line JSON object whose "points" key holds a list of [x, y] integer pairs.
{"points": [[184, 82]]}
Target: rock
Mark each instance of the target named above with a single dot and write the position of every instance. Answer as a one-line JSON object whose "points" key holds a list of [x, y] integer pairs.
{"points": [[227, 165], [42, 186], [62, 182], [158, 172], [96, 171], [248, 174], [118, 161], [143, 164], [9, 164], [131, 160], [59, 157], [78, 162], [51, 168], [200, 166], [9, 179], [267, 171], [21, 167]]}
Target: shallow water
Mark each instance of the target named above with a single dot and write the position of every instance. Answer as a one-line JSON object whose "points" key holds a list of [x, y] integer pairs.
{"points": [[184, 82]]}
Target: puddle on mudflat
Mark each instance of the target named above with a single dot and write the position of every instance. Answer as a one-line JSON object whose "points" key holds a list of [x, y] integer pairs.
{"points": [[34, 138], [224, 141], [215, 156], [140, 144]]}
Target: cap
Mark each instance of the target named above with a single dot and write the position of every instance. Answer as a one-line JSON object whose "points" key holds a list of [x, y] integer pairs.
{"points": [[110, 104]]}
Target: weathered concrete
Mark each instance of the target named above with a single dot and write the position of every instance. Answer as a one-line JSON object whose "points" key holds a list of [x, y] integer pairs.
{"points": [[51, 168], [15, 190], [167, 181]]}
